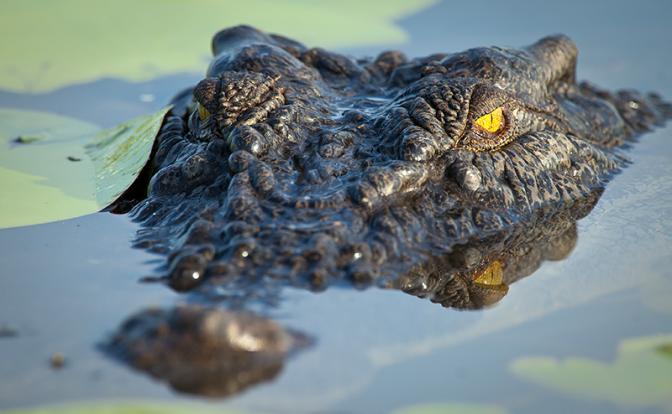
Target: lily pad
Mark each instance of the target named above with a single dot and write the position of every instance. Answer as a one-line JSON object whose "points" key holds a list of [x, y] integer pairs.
{"points": [[70, 168], [122, 408], [51, 44], [666, 350], [120, 153], [641, 375]]}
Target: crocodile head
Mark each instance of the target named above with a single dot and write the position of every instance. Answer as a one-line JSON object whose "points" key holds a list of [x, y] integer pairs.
{"points": [[309, 167]]}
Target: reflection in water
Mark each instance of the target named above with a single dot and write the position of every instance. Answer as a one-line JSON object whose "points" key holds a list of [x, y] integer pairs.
{"points": [[473, 275], [203, 351], [478, 274], [218, 353]]}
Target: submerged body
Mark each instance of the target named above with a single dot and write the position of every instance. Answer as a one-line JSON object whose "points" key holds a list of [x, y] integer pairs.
{"points": [[308, 167]]}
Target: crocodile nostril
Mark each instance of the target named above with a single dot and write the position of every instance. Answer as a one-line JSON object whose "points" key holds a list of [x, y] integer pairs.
{"points": [[466, 176], [557, 58]]}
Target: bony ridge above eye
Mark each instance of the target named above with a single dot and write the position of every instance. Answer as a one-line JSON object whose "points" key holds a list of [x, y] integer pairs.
{"points": [[492, 122]]}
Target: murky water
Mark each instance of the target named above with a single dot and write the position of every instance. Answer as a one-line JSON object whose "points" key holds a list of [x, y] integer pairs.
{"points": [[66, 286]]}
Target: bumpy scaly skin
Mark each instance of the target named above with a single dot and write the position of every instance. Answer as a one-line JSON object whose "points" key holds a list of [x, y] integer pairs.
{"points": [[309, 167]]}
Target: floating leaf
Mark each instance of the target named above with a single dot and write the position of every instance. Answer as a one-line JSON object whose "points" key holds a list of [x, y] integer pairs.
{"points": [[27, 139], [666, 350], [39, 184], [641, 375], [120, 153], [72, 170], [51, 44], [452, 408], [122, 408]]}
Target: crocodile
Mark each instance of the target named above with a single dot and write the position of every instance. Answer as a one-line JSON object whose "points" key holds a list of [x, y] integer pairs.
{"points": [[296, 166]]}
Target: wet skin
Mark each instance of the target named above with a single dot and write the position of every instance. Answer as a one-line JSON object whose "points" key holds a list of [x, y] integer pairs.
{"points": [[448, 177], [310, 167]]}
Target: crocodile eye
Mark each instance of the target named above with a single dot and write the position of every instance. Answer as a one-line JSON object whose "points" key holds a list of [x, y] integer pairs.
{"points": [[493, 275], [202, 112], [492, 122]]}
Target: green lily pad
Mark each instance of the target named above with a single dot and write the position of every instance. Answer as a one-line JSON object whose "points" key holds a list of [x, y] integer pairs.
{"points": [[122, 408], [451, 408], [120, 153], [51, 44], [70, 168], [641, 375], [665, 350]]}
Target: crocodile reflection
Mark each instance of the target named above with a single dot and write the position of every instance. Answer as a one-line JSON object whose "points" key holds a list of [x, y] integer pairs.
{"points": [[213, 352], [478, 274], [474, 275], [203, 350]]}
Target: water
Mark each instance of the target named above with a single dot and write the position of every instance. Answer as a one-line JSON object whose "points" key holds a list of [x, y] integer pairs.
{"points": [[67, 285]]}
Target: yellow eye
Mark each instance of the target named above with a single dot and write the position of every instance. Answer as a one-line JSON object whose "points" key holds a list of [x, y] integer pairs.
{"points": [[492, 122], [493, 275], [202, 112]]}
